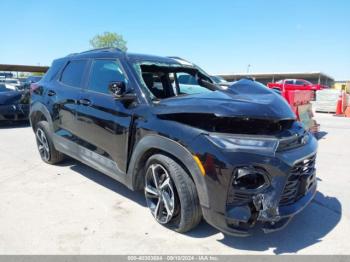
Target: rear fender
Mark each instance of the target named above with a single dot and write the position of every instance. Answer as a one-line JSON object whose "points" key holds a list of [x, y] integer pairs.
{"points": [[37, 110]]}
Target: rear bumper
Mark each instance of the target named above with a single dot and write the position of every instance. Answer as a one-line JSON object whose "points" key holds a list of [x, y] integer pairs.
{"points": [[14, 112]]}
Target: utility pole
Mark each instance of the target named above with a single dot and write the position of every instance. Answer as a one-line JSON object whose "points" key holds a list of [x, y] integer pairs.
{"points": [[248, 68]]}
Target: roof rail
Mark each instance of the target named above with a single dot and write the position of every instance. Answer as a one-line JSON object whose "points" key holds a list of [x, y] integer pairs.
{"points": [[109, 49], [106, 49], [71, 54]]}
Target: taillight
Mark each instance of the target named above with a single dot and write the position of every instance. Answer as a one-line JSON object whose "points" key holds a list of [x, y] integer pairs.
{"points": [[33, 88]]}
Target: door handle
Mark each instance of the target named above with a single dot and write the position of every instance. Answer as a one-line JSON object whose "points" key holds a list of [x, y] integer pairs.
{"points": [[85, 102], [51, 93]]}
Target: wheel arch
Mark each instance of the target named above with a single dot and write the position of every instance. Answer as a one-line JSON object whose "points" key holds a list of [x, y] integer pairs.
{"points": [[38, 112], [153, 144]]}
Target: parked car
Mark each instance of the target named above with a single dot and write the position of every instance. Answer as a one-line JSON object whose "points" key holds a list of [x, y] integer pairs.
{"points": [[215, 79], [221, 81], [236, 157], [8, 86], [30, 80], [12, 82], [295, 84], [6, 74], [14, 105]]}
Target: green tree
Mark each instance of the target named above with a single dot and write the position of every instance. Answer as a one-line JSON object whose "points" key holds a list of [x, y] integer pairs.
{"points": [[109, 39]]}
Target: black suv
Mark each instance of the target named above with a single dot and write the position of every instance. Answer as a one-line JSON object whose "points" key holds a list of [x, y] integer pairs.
{"points": [[236, 156], [14, 104]]}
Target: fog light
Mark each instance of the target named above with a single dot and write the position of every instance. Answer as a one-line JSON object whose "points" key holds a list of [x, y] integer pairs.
{"points": [[240, 213], [250, 178]]}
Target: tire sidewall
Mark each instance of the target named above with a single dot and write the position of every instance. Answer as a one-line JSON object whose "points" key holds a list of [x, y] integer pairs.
{"points": [[177, 223], [44, 126]]}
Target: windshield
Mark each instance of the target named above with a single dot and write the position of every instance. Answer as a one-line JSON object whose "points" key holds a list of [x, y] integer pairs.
{"points": [[161, 80]]}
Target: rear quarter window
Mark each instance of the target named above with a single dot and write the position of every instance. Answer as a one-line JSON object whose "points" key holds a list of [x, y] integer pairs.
{"points": [[53, 70]]}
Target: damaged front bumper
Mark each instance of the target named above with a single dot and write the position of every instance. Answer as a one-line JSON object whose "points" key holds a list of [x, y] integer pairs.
{"points": [[270, 217], [236, 210]]}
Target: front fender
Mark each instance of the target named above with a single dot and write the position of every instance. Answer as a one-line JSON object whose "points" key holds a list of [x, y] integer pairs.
{"points": [[171, 147]]}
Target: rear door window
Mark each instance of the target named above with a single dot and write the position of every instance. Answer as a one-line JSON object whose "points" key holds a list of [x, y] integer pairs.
{"points": [[73, 73]]}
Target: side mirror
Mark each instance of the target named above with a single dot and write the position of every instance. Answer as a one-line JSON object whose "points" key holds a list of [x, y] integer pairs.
{"points": [[118, 89]]}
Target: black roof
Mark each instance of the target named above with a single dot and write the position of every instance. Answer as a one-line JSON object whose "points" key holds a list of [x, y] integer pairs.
{"points": [[151, 58], [100, 52], [117, 53]]}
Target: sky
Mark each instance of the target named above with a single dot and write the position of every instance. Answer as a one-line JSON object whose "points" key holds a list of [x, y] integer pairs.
{"points": [[222, 36]]}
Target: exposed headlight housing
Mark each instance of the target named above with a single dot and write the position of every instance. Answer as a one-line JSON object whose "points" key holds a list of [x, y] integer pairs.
{"points": [[250, 178], [233, 142]]}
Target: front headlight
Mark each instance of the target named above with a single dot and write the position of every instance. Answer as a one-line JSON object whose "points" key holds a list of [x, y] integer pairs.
{"points": [[232, 142]]}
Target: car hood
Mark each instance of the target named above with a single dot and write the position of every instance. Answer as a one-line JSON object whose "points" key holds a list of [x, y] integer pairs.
{"points": [[10, 97], [244, 98]]}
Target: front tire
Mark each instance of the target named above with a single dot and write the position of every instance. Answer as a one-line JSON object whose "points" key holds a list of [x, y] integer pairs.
{"points": [[46, 148], [171, 195]]}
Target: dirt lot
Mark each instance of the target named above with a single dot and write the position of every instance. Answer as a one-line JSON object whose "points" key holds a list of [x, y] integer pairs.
{"points": [[72, 209]]}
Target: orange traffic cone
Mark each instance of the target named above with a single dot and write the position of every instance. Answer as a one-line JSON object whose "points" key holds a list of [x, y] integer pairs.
{"points": [[339, 110], [347, 112], [344, 101]]}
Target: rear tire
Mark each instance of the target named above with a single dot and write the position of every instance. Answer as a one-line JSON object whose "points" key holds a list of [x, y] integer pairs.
{"points": [[47, 150], [173, 200]]}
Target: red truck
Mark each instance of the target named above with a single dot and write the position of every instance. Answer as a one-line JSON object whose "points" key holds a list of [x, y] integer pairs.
{"points": [[295, 84], [299, 93]]}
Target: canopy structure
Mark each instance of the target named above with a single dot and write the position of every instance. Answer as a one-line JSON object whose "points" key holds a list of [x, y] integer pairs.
{"points": [[314, 77], [23, 68]]}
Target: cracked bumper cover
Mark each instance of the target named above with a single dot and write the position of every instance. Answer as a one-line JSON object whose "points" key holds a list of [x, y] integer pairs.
{"points": [[272, 219], [265, 208]]}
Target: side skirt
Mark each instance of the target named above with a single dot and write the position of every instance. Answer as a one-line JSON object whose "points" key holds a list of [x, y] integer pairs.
{"points": [[90, 158]]}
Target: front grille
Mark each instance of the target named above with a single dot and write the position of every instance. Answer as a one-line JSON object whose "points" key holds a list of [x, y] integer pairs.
{"points": [[238, 198], [301, 179]]}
